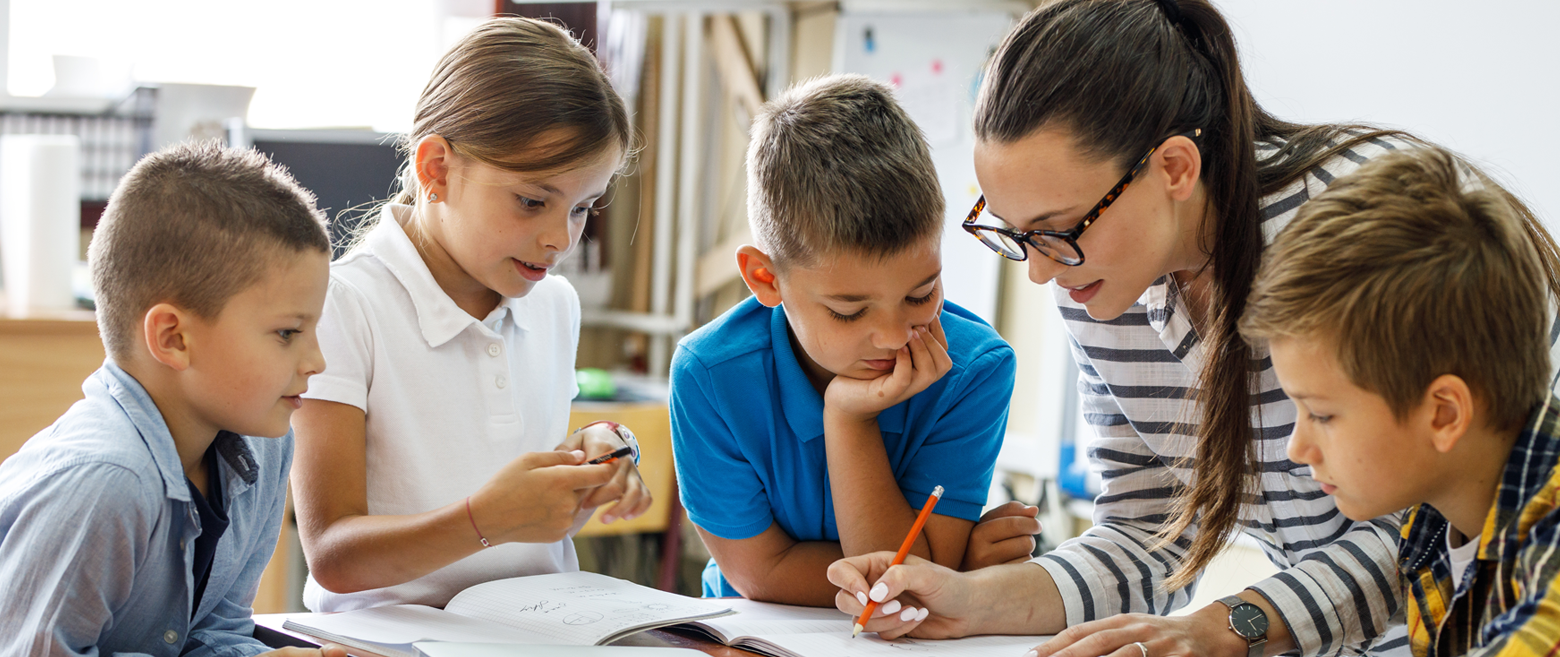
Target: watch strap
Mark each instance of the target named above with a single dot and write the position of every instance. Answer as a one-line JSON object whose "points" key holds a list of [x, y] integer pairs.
{"points": [[1231, 601]]}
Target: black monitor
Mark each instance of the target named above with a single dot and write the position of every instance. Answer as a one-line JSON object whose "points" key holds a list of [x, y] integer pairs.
{"points": [[349, 171]]}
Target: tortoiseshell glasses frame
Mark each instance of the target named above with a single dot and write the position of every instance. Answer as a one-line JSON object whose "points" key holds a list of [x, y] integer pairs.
{"points": [[1058, 245]]}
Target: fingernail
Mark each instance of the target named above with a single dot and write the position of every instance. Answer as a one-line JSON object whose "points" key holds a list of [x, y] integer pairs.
{"points": [[907, 614], [921, 615], [578, 454], [879, 592], [862, 597], [891, 607], [1032, 653]]}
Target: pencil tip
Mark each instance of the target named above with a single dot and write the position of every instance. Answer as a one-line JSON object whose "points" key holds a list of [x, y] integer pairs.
{"points": [[855, 630]]}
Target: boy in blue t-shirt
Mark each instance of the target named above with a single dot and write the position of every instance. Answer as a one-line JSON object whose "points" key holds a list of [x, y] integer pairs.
{"points": [[812, 421], [141, 520]]}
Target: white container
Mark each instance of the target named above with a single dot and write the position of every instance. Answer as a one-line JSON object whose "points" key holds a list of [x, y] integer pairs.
{"points": [[40, 220]]}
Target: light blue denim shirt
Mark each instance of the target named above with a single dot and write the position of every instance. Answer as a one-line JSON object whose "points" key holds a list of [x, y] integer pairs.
{"points": [[97, 532]]}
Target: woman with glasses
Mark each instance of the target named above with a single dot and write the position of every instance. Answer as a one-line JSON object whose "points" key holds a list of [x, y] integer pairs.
{"points": [[1123, 158]]}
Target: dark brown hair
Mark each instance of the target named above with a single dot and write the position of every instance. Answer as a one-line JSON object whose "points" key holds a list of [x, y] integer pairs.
{"points": [[835, 164], [1414, 266], [521, 95], [193, 225], [1119, 76]]}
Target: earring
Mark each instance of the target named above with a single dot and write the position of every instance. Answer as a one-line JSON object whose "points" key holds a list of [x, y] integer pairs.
{"points": [[433, 197]]}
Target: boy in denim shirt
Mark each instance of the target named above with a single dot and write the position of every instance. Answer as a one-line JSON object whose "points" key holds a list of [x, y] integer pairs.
{"points": [[140, 521]]}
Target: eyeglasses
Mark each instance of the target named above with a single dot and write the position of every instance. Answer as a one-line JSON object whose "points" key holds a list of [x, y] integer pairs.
{"points": [[1058, 245]]}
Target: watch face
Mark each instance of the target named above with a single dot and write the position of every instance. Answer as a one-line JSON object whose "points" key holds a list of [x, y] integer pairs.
{"points": [[1249, 621]]}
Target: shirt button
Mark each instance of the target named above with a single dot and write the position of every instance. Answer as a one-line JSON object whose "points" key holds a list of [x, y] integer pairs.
{"points": [[170, 637], [493, 349], [181, 544], [502, 382]]}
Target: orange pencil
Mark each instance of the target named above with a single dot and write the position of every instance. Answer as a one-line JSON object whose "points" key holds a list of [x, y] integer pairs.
{"points": [[899, 558]]}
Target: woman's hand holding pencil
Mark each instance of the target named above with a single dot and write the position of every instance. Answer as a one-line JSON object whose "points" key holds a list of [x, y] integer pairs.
{"points": [[945, 594], [893, 618]]}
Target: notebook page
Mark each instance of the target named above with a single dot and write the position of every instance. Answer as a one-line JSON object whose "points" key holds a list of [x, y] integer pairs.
{"points": [[840, 644], [405, 624], [578, 608], [756, 618], [500, 650]]}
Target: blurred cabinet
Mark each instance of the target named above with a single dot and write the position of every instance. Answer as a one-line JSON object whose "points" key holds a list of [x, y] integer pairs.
{"points": [[42, 365]]}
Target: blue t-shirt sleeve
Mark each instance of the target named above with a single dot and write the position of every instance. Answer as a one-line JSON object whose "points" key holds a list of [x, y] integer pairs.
{"points": [[960, 452], [718, 485]]}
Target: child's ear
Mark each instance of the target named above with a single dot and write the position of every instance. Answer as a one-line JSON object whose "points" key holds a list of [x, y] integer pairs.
{"points": [[758, 272], [166, 330], [1452, 409], [1182, 165], [432, 164]]}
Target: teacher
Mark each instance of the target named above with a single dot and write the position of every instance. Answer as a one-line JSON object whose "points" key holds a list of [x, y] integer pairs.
{"points": [[1123, 157]]}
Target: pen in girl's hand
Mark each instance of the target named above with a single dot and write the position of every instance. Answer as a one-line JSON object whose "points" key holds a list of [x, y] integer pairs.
{"points": [[615, 455]]}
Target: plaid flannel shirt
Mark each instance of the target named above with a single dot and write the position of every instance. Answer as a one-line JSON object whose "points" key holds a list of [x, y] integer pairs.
{"points": [[1511, 603]]}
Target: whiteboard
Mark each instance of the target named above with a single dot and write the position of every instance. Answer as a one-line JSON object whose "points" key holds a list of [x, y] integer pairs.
{"points": [[934, 63]]}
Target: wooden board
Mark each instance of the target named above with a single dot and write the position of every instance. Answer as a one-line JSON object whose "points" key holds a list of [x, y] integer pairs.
{"points": [[42, 365]]}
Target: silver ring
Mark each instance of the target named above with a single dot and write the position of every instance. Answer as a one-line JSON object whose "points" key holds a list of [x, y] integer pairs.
{"points": [[1141, 647]]}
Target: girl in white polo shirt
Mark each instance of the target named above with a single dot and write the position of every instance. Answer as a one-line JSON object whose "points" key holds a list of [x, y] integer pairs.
{"points": [[428, 454]]}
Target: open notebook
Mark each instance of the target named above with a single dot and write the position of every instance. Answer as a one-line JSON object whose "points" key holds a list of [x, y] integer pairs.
{"points": [[786, 631], [586, 609], [570, 609]]}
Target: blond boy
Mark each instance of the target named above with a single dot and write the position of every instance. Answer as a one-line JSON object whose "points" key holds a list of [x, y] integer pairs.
{"points": [[1408, 318]]}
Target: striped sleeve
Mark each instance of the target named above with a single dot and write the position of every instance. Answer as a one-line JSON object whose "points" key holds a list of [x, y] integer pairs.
{"points": [[1342, 594], [1112, 568]]}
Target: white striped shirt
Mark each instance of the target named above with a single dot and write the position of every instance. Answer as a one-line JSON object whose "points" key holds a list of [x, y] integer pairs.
{"points": [[1338, 590]]}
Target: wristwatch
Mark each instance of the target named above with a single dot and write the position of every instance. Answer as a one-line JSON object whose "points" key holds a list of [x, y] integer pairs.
{"points": [[623, 432], [1249, 622]]}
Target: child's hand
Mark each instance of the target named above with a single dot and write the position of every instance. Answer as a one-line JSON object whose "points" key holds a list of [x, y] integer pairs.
{"points": [[918, 364], [534, 499], [327, 650], [633, 497], [1003, 535]]}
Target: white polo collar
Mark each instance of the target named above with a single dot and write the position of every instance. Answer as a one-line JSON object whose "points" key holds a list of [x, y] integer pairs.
{"points": [[438, 317]]}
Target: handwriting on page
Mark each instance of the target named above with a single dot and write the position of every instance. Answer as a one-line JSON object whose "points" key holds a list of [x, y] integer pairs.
{"points": [[573, 608], [870, 645]]}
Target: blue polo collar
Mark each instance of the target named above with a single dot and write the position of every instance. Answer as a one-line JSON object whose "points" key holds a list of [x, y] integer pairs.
{"points": [[802, 404]]}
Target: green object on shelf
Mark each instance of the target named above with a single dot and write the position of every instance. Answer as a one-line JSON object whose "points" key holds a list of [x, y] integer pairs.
{"points": [[595, 383]]}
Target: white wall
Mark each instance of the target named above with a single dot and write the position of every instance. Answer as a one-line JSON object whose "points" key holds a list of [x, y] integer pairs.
{"points": [[1482, 78], [316, 63]]}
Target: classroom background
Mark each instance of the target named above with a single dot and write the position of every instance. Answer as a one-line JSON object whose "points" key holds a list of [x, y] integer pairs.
{"points": [[324, 86]]}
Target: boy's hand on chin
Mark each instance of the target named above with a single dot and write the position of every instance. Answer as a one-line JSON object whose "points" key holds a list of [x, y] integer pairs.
{"points": [[918, 364]]}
